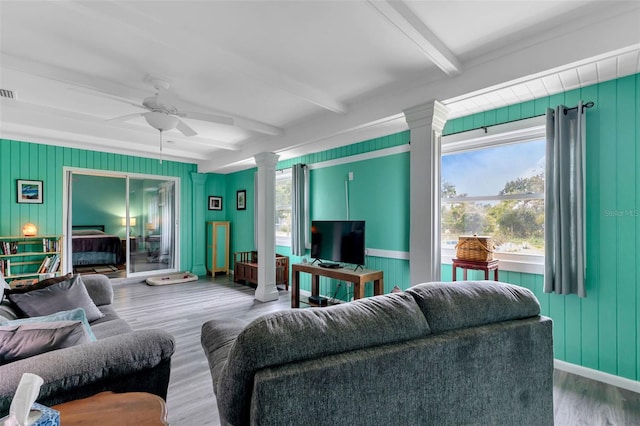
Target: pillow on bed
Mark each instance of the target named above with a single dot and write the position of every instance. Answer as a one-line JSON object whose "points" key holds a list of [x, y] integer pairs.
{"points": [[87, 232], [62, 296], [26, 340]]}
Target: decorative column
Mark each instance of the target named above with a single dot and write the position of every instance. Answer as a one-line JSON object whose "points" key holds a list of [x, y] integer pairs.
{"points": [[266, 214], [425, 123], [198, 241]]}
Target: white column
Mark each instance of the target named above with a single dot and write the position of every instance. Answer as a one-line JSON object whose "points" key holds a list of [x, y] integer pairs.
{"points": [[425, 123], [266, 213]]}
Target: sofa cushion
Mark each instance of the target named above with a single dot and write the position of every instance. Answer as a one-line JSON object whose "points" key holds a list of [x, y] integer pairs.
{"points": [[300, 334], [62, 296], [77, 314], [461, 304], [21, 341]]}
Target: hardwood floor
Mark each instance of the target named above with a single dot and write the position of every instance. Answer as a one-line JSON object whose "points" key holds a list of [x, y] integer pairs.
{"points": [[181, 309]]}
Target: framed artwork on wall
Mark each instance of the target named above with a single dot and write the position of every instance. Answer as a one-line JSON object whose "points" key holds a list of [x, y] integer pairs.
{"points": [[215, 203], [241, 199], [29, 191]]}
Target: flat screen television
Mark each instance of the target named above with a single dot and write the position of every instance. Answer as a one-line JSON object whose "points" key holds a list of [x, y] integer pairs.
{"points": [[338, 241]]}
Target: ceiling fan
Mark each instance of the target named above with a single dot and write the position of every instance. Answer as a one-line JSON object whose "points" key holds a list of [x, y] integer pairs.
{"points": [[162, 115]]}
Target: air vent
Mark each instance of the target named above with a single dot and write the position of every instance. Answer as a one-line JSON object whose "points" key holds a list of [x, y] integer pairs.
{"points": [[9, 94]]}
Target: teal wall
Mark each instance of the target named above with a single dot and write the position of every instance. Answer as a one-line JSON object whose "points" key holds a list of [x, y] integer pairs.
{"points": [[600, 331], [100, 201], [24, 160]]}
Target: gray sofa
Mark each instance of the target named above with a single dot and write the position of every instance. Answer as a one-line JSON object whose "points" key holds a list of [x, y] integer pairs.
{"points": [[439, 353], [121, 360]]}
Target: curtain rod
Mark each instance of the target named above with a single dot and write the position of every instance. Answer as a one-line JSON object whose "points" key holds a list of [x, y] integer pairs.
{"points": [[586, 105]]}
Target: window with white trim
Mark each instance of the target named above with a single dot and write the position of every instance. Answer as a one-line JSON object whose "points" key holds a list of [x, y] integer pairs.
{"points": [[283, 207], [493, 184]]}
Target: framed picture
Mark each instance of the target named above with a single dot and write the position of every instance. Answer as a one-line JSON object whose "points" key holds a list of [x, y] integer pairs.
{"points": [[241, 199], [29, 191], [215, 203]]}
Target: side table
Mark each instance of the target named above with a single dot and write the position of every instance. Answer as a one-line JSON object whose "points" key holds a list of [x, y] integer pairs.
{"points": [[486, 266], [114, 409]]}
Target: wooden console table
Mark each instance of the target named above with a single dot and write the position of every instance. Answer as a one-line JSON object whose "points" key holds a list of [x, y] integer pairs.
{"points": [[491, 265], [114, 409], [358, 278]]}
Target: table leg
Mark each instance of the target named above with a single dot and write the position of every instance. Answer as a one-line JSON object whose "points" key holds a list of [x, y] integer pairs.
{"points": [[295, 289], [495, 274], [464, 274], [486, 274], [453, 272], [378, 287], [358, 290], [315, 285]]}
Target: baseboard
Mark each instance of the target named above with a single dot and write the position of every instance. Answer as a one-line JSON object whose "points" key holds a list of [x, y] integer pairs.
{"points": [[600, 376]]}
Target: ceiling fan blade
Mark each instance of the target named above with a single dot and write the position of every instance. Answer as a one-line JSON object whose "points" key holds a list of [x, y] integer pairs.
{"points": [[127, 117], [106, 95], [186, 130], [213, 118]]}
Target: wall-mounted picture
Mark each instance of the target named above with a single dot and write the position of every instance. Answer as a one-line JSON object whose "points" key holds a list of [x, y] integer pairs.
{"points": [[29, 191], [215, 203], [241, 199]]}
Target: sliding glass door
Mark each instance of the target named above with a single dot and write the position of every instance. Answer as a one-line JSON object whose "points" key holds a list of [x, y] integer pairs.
{"points": [[153, 204], [137, 212]]}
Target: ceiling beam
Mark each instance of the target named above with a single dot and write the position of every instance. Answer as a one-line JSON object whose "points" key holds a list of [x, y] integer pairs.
{"points": [[403, 18]]}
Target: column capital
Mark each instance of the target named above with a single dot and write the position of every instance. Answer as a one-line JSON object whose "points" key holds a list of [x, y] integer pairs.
{"points": [[266, 159], [432, 113], [198, 178]]}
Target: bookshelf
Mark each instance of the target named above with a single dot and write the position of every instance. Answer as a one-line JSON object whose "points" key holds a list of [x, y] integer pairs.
{"points": [[25, 257]]}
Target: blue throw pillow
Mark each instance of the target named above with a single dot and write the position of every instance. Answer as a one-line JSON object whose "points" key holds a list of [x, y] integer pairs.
{"points": [[77, 314]]}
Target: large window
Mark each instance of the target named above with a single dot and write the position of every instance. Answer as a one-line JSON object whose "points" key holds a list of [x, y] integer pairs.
{"points": [[283, 207], [494, 185]]}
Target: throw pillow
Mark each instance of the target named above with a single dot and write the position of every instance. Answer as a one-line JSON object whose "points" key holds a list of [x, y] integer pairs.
{"points": [[26, 340], [40, 284], [62, 296], [77, 314]]}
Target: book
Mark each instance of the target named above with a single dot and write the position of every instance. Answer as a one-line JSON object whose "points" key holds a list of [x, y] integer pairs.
{"points": [[44, 264]]}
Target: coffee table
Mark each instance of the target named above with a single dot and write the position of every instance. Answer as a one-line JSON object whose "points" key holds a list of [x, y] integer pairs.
{"points": [[114, 409]]}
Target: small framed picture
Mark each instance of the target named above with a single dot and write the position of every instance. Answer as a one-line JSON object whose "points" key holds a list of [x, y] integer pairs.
{"points": [[215, 203], [241, 199], [29, 191]]}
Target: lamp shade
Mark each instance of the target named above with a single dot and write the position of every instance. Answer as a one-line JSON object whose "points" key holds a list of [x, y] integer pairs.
{"points": [[132, 221], [29, 230]]}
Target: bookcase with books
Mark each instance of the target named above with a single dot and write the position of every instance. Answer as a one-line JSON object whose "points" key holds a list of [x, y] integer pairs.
{"points": [[23, 259]]}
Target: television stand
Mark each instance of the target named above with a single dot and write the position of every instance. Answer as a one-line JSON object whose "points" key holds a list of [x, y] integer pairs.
{"points": [[330, 265], [358, 278]]}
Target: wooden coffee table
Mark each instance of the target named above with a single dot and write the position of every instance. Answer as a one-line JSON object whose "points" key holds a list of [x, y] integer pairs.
{"points": [[114, 409]]}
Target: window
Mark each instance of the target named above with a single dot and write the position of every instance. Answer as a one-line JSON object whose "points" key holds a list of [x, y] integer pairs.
{"points": [[283, 207], [494, 185]]}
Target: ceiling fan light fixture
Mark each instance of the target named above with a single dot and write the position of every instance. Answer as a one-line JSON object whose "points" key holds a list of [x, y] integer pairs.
{"points": [[161, 121]]}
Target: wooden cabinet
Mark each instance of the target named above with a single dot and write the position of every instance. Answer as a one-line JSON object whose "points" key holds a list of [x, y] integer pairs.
{"points": [[217, 247], [29, 257]]}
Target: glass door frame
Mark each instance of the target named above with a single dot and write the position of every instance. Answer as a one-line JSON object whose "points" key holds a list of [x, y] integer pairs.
{"points": [[68, 173]]}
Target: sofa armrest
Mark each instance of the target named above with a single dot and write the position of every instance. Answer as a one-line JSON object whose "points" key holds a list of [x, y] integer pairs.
{"points": [[88, 364], [99, 288], [217, 337]]}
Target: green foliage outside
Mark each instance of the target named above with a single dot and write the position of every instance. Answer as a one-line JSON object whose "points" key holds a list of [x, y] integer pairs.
{"points": [[515, 225]]}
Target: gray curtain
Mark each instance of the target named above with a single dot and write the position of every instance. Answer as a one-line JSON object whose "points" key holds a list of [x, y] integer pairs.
{"points": [[298, 210], [564, 201]]}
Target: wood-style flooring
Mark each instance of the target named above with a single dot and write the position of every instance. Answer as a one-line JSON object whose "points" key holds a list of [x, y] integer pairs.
{"points": [[181, 309]]}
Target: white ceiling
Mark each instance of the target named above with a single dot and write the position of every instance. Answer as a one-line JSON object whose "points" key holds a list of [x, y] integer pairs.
{"points": [[294, 76]]}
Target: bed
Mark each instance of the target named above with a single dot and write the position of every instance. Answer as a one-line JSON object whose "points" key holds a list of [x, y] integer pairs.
{"points": [[91, 246]]}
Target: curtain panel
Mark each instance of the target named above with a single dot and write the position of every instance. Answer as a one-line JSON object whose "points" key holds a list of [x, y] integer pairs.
{"points": [[298, 209], [564, 201]]}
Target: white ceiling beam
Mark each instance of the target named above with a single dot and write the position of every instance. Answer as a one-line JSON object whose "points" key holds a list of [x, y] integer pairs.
{"points": [[403, 18], [117, 14]]}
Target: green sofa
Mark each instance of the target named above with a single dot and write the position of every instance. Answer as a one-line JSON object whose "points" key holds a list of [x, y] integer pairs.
{"points": [[438, 353]]}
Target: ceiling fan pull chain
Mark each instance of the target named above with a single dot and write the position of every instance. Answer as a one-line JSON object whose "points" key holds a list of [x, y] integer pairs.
{"points": [[160, 146]]}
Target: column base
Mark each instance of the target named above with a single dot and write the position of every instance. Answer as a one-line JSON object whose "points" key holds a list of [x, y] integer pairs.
{"points": [[267, 293]]}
